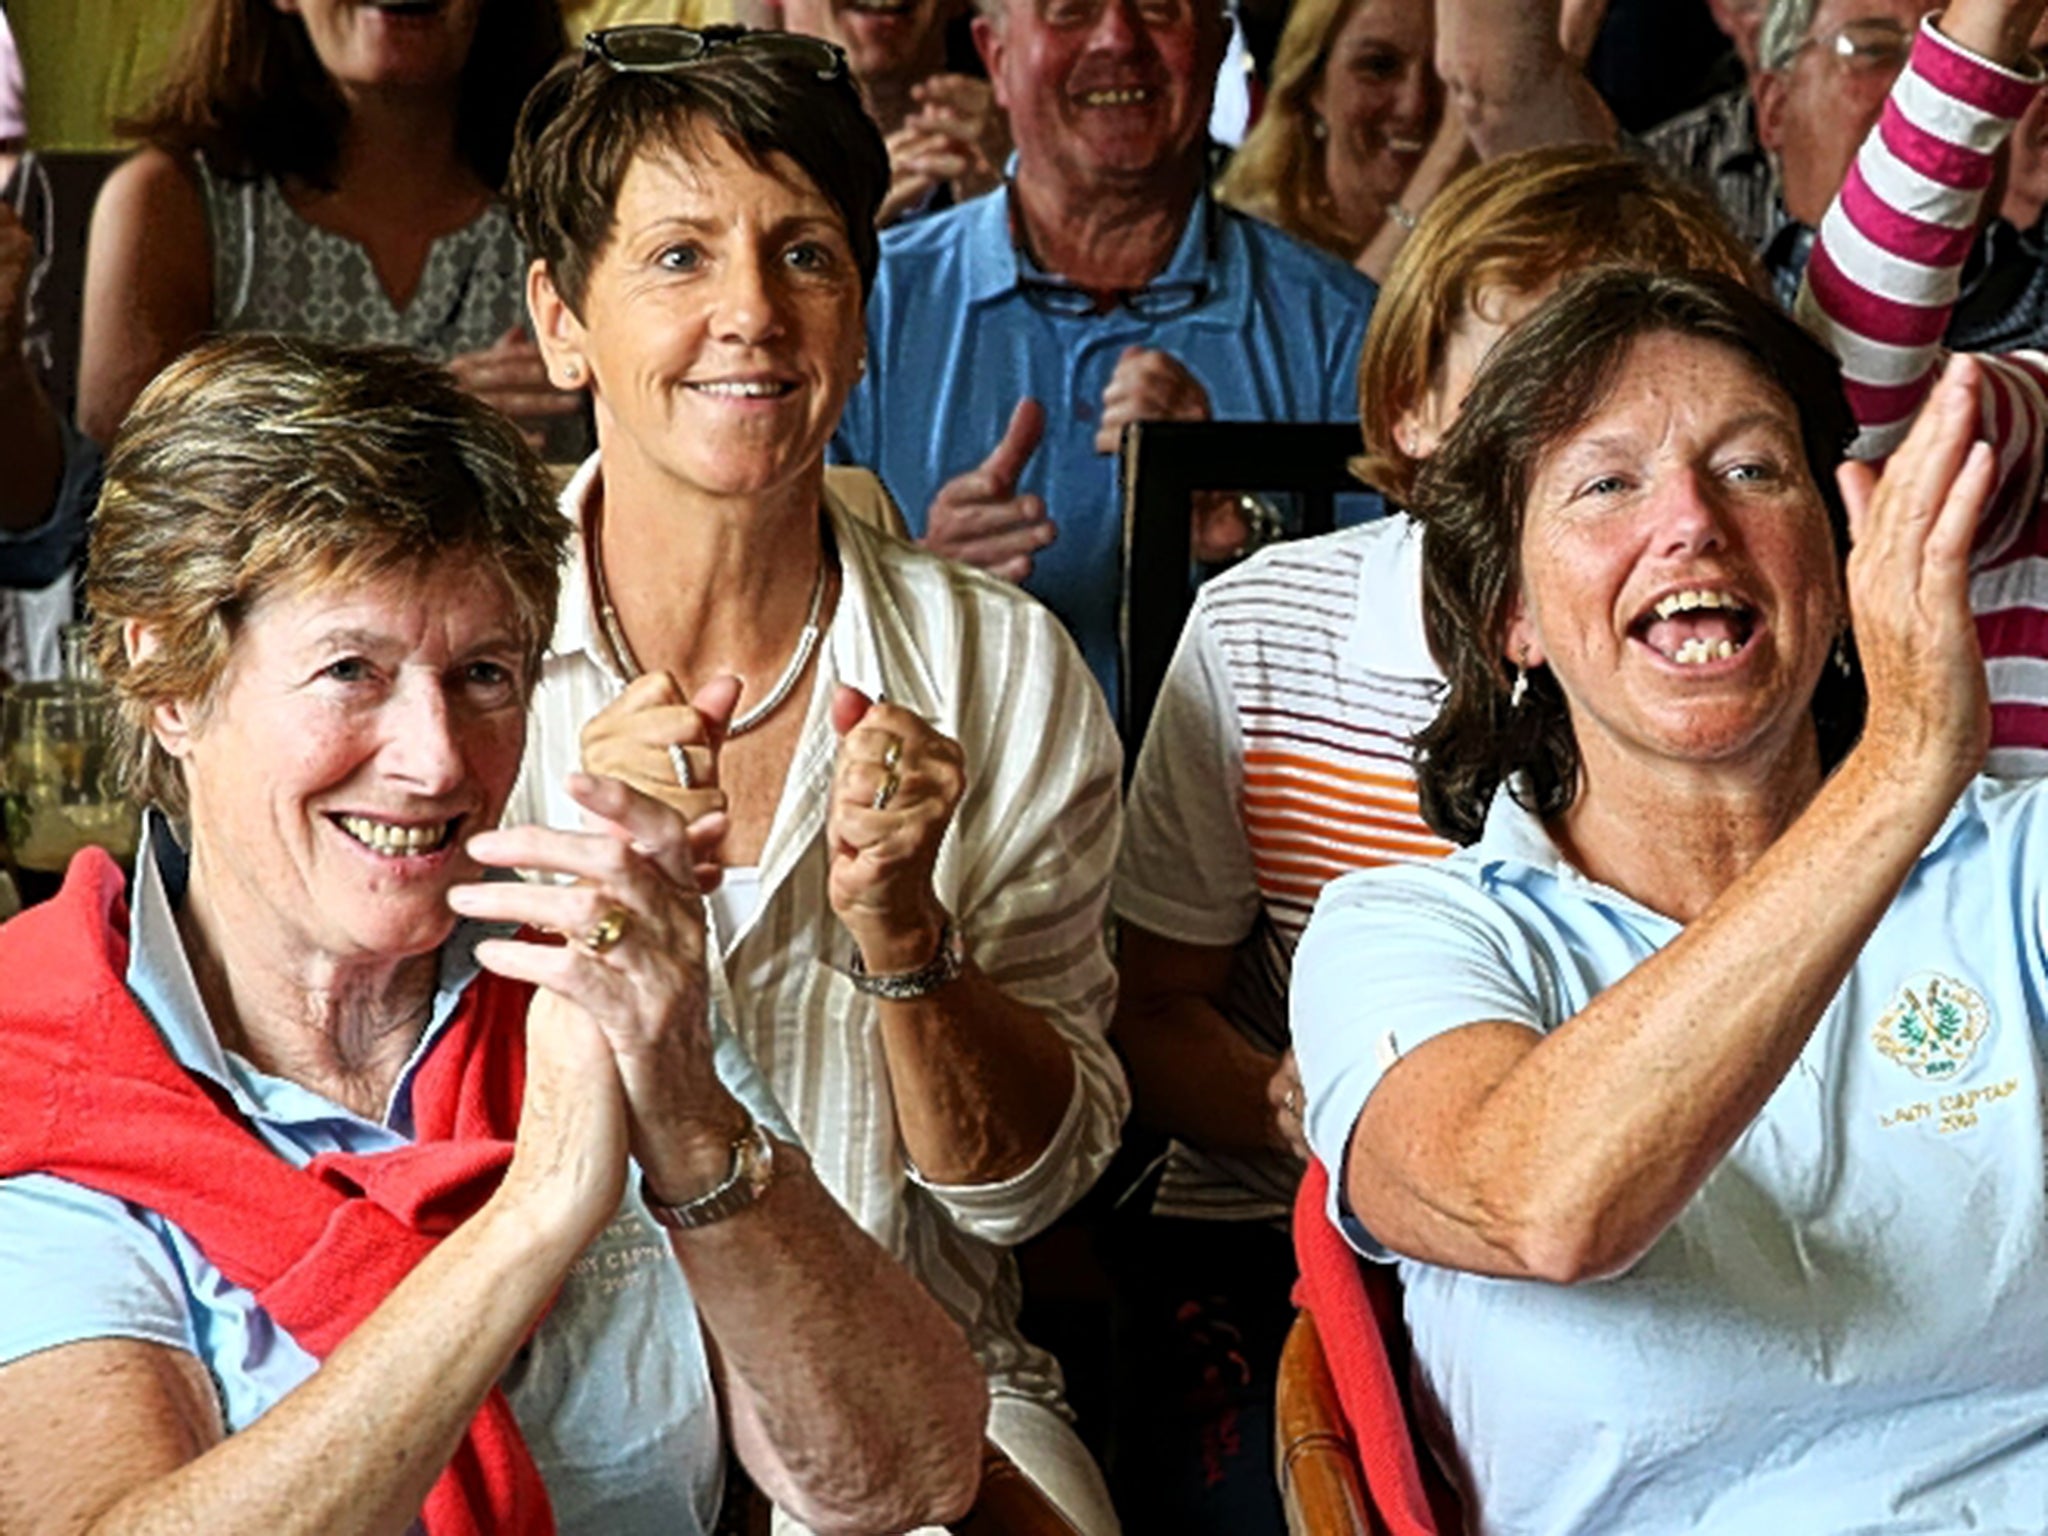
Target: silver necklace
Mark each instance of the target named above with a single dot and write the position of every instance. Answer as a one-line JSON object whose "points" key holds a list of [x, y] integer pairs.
{"points": [[746, 719]]}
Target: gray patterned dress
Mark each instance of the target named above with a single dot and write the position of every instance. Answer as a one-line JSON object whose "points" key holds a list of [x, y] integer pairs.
{"points": [[273, 271]]}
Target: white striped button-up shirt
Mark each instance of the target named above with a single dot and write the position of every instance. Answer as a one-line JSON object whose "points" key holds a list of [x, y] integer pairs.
{"points": [[1024, 870]]}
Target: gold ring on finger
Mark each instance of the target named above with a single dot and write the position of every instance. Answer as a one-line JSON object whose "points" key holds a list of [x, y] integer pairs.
{"points": [[606, 932], [886, 790], [892, 754]]}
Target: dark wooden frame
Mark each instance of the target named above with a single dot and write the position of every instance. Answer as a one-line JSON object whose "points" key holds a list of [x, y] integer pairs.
{"points": [[1161, 465]]}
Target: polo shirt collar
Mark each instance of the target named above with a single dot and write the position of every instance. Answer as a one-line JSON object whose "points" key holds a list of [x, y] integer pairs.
{"points": [[1515, 844], [1392, 642], [161, 978]]}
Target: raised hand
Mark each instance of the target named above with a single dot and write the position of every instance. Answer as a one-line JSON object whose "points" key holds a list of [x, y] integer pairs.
{"points": [[1911, 529], [511, 375], [957, 137], [1148, 385], [895, 784], [1284, 1095], [634, 963], [636, 738], [979, 518]]}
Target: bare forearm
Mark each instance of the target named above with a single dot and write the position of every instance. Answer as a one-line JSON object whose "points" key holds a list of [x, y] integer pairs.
{"points": [[356, 1447], [1998, 30], [31, 447], [853, 1398], [1195, 1076], [1506, 71], [981, 1081], [1593, 1143], [1448, 155]]}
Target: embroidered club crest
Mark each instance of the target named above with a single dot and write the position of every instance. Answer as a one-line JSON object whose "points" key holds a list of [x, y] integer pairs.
{"points": [[1933, 1026]]}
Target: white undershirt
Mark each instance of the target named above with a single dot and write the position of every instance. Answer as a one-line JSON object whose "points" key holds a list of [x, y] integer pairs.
{"points": [[736, 900]]}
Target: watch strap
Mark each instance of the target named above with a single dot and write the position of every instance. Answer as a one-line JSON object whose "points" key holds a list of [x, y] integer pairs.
{"points": [[752, 1170]]}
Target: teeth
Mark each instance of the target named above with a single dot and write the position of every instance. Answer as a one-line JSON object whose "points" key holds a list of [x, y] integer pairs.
{"points": [[1406, 146], [1117, 98], [1694, 651], [742, 389], [1685, 602], [384, 837]]}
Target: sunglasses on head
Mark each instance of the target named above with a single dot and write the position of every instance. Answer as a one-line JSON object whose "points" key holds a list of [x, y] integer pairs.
{"points": [[657, 48]]}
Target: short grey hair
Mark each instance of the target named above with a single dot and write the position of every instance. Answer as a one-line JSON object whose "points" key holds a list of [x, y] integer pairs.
{"points": [[1785, 25]]}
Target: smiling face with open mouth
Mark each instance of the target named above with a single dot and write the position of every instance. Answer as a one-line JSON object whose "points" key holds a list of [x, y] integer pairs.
{"points": [[1679, 576], [357, 738], [1379, 102], [1105, 93], [381, 43]]}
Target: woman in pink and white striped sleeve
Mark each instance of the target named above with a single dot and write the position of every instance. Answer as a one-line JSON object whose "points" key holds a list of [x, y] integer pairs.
{"points": [[1885, 272]]}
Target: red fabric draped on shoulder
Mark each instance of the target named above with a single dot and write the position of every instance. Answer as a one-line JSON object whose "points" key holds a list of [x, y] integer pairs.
{"points": [[95, 1097]]}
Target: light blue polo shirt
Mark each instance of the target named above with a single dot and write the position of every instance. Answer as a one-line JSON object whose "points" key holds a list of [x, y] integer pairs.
{"points": [[613, 1393], [1846, 1329], [954, 343]]}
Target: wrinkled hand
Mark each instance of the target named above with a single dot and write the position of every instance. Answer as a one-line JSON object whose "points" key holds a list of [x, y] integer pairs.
{"points": [[511, 375], [568, 1165], [1283, 1093], [958, 136], [17, 263], [646, 994], [1911, 529], [979, 518], [895, 784], [629, 739], [1148, 385]]}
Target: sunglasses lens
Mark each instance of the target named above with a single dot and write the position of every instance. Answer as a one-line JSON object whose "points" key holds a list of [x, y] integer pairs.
{"points": [[651, 47], [656, 47]]}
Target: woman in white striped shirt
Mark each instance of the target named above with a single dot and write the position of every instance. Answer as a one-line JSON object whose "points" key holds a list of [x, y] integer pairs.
{"points": [[918, 777]]}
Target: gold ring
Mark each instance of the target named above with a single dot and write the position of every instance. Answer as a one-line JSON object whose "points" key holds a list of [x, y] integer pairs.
{"points": [[603, 934], [892, 754], [886, 790]]}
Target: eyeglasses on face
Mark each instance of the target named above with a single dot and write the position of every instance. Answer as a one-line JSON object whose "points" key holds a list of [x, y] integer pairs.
{"points": [[1871, 44], [657, 48]]}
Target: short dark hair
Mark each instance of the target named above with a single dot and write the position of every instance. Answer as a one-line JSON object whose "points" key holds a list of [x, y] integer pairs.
{"points": [[245, 88], [583, 127], [1543, 381], [256, 464]]}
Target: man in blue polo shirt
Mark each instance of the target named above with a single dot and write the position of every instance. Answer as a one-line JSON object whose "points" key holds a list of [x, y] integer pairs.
{"points": [[1011, 339]]}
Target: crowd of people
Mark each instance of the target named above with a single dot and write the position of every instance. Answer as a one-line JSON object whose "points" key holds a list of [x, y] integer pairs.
{"points": [[605, 554]]}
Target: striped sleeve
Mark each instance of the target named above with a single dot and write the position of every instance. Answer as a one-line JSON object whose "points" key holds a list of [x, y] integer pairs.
{"points": [[1888, 260], [1185, 871], [1033, 902]]}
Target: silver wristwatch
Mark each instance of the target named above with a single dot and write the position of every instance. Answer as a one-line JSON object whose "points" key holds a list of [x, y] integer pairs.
{"points": [[908, 986], [753, 1169]]}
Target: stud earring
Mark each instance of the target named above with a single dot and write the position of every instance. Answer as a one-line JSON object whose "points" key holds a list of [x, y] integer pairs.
{"points": [[1841, 656], [572, 374], [1318, 129], [860, 366]]}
